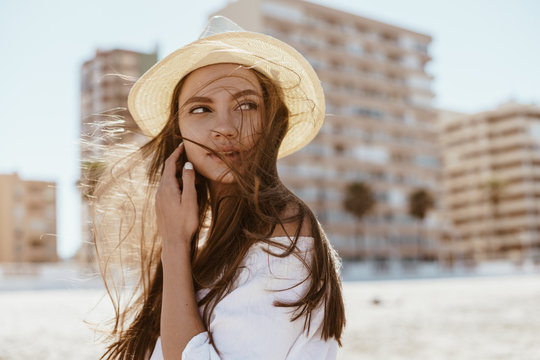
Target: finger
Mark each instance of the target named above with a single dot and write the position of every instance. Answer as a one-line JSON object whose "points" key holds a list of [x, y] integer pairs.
{"points": [[189, 193], [170, 164]]}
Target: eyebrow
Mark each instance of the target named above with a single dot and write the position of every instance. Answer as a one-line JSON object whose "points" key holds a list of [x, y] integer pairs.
{"points": [[204, 99]]}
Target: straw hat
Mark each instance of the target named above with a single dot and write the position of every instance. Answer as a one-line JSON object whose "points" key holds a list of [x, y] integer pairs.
{"points": [[223, 41]]}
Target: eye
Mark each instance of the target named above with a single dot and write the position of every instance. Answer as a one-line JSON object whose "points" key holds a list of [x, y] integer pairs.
{"points": [[248, 105], [199, 110]]}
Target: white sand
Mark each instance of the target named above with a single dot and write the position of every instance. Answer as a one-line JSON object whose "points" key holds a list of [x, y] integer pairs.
{"points": [[458, 319], [47, 325]]}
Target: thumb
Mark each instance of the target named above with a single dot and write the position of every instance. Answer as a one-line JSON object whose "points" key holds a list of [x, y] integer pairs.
{"points": [[189, 193]]}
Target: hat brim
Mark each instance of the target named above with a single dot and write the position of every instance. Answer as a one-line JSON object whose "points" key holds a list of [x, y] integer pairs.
{"points": [[149, 100]]}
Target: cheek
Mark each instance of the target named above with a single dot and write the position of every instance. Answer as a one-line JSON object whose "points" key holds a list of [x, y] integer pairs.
{"points": [[191, 151], [189, 129], [188, 133], [251, 131], [183, 128]]}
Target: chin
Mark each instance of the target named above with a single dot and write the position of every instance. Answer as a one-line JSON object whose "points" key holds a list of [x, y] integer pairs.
{"points": [[223, 178]]}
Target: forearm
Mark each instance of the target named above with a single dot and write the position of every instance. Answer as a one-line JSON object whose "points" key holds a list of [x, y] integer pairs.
{"points": [[180, 318]]}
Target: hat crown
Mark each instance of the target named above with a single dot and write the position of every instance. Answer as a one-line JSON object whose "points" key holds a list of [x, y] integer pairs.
{"points": [[223, 41], [219, 25]]}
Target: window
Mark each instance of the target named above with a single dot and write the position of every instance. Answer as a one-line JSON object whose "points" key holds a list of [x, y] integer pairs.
{"points": [[372, 154], [421, 47], [426, 161], [381, 196], [397, 198], [18, 212], [420, 100], [37, 225], [355, 48], [368, 112], [419, 82], [535, 131], [411, 62]]}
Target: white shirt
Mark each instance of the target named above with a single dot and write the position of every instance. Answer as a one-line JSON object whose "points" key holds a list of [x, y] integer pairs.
{"points": [[246, 325]]}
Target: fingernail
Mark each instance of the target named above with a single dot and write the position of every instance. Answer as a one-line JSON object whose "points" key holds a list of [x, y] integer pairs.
{"points": [[182, 143], [188, 166]]}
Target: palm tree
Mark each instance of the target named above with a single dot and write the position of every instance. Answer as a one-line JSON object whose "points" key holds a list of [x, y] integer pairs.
{"points": [[359, 200], [420, 202]]}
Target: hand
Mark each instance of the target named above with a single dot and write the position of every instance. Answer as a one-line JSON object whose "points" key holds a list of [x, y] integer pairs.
{"points": [[177, 211]]}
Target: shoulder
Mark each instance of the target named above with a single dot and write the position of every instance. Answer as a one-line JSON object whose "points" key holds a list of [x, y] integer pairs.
{"points": [[282, 277], [269, 258]]}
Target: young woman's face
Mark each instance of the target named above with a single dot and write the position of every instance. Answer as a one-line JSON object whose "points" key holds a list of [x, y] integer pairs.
{"points": [[221, 106]]}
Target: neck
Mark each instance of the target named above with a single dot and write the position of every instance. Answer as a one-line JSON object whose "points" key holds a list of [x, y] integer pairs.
{"points": [[218, 190]]}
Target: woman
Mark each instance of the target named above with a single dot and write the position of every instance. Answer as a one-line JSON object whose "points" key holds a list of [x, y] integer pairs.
{"points": [[232, 265]]}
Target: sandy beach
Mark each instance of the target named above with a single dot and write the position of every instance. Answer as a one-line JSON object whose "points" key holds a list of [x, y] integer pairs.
{"points": [[459, 319]]}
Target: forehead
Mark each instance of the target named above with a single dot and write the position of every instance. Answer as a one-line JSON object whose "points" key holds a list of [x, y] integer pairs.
{"points": [[229, 77]]}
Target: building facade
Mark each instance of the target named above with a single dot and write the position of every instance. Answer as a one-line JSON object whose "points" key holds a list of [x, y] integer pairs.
{"points": [[105, 83], [27, 220], [491, 168], [380, 127]]}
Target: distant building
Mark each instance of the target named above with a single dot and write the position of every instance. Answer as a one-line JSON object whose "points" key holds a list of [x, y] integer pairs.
{"points": [[380, 128], [492, 182], [27, 220], [105, 83]]}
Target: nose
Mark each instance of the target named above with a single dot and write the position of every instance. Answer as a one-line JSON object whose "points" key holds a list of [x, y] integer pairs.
{"points": [[224, 126]]}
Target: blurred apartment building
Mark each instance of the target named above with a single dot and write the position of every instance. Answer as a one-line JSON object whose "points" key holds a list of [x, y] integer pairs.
{"points": [[380, 127], [27, 220], [491, 167], [105, 83]]}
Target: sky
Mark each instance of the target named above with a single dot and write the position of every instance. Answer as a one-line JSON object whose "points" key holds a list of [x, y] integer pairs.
{"points": [[485, 52]]}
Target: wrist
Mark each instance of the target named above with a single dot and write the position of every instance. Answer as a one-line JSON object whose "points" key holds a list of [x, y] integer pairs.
{"points": [[175, 249]]}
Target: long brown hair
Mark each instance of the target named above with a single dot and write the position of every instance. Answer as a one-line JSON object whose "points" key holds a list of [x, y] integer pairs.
{"points": [[249, 213]]}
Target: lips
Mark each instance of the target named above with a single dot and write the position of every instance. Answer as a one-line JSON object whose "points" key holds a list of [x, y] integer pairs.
{"points": [[231, 154]]}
